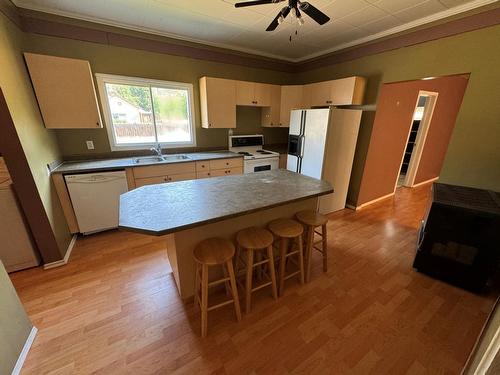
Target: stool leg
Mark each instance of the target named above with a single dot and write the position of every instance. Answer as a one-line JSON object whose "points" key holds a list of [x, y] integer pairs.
{"points": [[272, 272], [258, 257], [309, 247], [301, 259], [237, 259], [204, 300], [227, 284], [234, 290], [283, 251], [249, 280], [197, 282], [325, 247]]}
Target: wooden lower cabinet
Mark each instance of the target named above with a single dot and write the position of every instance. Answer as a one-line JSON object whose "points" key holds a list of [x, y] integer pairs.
{"points": [[226, 163], [163, 173], [205, 174], [226, 172], [163, 179]]}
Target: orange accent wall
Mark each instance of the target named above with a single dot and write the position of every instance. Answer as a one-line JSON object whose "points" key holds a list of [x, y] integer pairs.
{"points": [[393, 119]]}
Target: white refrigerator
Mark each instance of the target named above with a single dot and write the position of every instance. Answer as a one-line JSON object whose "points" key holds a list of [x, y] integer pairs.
{"points": [[321, 144]]}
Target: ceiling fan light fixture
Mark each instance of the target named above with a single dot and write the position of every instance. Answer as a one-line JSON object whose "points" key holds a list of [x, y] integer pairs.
{"points": [[281, 19], [300, 20]]}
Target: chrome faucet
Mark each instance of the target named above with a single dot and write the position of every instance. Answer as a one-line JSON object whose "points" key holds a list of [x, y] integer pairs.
{"points": [[157, 150]]}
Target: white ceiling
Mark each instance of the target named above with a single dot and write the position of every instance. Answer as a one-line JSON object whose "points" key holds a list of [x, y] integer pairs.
{"points": [[219, 23]]}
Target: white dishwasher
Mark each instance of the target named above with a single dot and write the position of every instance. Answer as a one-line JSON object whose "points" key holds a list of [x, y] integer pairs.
{"points": [[95, 198]]}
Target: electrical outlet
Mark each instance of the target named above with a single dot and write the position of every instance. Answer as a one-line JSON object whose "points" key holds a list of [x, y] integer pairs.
{"points": [[90, 145]]}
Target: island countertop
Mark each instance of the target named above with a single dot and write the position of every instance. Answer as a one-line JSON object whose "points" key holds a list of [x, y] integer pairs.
{"points": [[167, 208]]}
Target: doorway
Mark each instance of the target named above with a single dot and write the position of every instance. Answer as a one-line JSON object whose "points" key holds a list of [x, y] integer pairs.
{"points": [[421, 119]]}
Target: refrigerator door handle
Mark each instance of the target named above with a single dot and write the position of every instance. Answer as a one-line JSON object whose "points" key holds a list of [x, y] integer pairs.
{"points": [[302, 144]]}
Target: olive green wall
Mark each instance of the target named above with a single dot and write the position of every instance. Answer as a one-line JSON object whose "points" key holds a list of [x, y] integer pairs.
{"points": [[15, 325], [39, 144], [473, 156], [130, 62]]}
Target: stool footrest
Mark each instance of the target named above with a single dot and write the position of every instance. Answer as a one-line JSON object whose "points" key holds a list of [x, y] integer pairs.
{"points": [[261, 262], [220, 305], [220, 281], [261, 286], [292, 275]]}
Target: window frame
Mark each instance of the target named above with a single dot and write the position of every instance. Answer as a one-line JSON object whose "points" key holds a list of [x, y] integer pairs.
{"points": [[102, 79]]}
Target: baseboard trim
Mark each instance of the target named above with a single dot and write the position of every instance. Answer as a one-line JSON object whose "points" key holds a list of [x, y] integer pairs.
{"points": [[425, 182], [65, 260], [24, 352], [374, 201]]}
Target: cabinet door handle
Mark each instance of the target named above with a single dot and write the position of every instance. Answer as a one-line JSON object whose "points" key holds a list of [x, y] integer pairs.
{"points": [[209, 125], [97, 124], [328, 102]]}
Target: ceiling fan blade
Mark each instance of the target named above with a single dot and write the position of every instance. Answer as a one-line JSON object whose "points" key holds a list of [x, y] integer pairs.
{"points": [[255, 2], [314, 13], [283, 13]]}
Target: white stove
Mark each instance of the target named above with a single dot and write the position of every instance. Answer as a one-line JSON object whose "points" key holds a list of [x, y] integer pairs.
{"points": [[256, 159]]}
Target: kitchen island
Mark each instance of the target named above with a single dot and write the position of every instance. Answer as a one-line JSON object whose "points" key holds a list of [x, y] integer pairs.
{"points": [[186, 212]]}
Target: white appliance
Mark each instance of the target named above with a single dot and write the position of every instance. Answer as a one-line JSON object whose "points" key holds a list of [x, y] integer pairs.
{"points": [[321, 144], [255, 158], [95, 198], [17, 251]]}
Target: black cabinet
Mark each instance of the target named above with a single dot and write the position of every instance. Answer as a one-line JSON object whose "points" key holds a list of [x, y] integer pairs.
{"points": [[459, 240]]}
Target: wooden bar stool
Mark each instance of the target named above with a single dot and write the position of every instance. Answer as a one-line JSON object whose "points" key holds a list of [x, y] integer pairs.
{"points": [[286, 230], [214, 252], [254, 241], [312, 220]]}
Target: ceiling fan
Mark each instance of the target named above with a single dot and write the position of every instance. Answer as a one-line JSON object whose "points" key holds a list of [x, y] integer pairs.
{"points": [[294, 6]]}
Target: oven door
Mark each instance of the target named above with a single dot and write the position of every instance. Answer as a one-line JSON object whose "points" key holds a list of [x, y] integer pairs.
{"points": [[260, 165]]}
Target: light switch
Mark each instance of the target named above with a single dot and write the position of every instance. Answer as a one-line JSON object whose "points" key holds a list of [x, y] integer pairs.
{"points": [[90, 145]]}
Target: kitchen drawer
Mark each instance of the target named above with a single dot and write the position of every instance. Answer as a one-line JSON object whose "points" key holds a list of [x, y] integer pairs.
{"points": [[225, 163], [163, 170], [163, 179], [226, 172], [202, 166], [150, 181], [205, 174], [182, 177]]}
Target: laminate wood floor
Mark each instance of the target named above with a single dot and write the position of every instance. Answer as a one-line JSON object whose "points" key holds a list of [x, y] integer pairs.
{"points": [[114, 309]]}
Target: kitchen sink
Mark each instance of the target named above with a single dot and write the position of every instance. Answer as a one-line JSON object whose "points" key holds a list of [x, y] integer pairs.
{"points": [[159, 159]]}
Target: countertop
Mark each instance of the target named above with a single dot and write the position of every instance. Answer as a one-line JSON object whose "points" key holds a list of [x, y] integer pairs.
{"points": [[113, 164], [168, 208]]}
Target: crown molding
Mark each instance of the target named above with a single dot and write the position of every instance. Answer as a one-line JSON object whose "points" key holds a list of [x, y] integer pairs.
{"points": [[450, 28], [399, 29], [143, 29], [37, 23]]}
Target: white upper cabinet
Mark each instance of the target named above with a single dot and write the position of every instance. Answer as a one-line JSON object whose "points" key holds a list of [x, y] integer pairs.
{"points": [[253, 94], [344, 91], [65, 91], [218, 102]]}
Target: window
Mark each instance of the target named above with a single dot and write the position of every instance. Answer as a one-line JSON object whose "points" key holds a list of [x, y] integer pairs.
{"points": [[140, 112]]}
